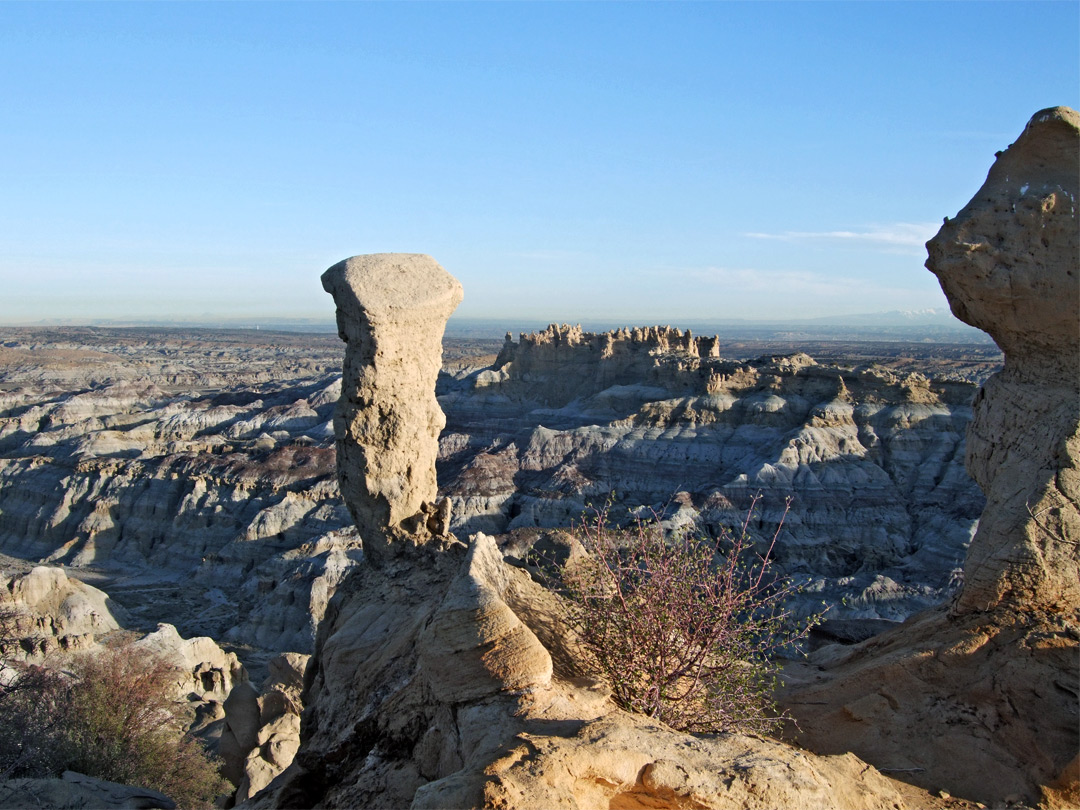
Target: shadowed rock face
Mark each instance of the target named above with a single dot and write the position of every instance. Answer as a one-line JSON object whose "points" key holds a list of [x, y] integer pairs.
{"points": [[1010, 264], [392, 309], [980, 697]]}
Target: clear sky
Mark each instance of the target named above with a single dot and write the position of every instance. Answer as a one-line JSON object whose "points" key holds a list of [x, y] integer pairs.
{"points": [[648, 162]]}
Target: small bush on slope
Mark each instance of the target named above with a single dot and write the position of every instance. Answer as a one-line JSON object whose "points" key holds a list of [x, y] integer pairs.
{"points": [[111, 716], [683, 628]]}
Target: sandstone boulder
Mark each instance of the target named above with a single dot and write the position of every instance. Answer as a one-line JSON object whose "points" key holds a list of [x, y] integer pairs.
{"points": [[391, 311], [262, 730], [53, 612]]}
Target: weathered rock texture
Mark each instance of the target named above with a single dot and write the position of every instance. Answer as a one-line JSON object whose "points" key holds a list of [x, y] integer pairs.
{"points": [[392, 310], [196, 471], [1010, 264], [446, 678], [980, 697], [52, 613], [262, 731], [205, 673], [882, 510]]}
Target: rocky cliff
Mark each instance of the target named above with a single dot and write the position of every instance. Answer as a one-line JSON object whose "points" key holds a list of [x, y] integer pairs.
{"points": [[979, 697]]}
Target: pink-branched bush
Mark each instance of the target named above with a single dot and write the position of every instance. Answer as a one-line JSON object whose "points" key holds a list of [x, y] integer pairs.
{"points": [[111, 715], [684, 628]]}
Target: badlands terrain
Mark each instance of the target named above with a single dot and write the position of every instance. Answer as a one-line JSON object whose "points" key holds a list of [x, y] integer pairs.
{"points": [[190, 474], [187, 478], [351, 546]]}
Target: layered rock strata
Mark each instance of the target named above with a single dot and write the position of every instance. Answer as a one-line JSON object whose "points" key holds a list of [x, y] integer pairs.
{"points": [[228, 499], [979, 697], [392, 310], [221, 504], [882, 510]]}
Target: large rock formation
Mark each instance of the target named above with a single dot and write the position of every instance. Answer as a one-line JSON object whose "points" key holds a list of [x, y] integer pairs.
{"points": [[1010, 264], [882, 510], [980, 697], [447, 680], [392, 310], [444, 677], [197, 471]]}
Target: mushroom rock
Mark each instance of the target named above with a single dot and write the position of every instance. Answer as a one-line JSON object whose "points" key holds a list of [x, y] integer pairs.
{"points": [[392, 310], [979, 697]]}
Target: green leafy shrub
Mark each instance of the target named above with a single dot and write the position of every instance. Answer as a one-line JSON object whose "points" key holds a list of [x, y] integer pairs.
{"points": [[684, 628], [110, 715]]}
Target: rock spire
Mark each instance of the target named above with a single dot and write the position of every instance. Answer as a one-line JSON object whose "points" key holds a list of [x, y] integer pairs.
{"points": [[392, 310], [1009, 264], [979, 697]]}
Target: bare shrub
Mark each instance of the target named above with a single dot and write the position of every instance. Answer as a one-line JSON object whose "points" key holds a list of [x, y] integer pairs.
{"points": [[684, 628], [110, 715]]}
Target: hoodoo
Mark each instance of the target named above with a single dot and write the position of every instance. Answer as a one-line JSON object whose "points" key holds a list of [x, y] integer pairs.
{"points": [[392, 310], [1009, 264], [979, 697]]}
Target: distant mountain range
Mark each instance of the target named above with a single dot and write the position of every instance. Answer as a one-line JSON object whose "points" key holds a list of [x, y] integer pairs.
{"points": [[923, 324], [896, 317]]}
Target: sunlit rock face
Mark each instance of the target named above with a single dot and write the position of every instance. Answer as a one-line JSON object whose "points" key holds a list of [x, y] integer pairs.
{"points": [[392, 310], [978, 697], [446, 677], [1010, 264]]}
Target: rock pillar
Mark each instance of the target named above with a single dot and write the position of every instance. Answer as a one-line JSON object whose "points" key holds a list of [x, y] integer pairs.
{"points": [[392, 310], [1009, 264], [978, 698]]}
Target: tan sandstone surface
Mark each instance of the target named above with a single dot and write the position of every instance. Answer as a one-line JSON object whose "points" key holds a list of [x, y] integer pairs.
{"points": [[979, 697], [392, 310]]}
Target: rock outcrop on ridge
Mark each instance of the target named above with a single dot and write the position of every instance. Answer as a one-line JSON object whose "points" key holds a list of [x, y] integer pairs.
{"points": [[47, 612], [979, 697], [392, 310], [444, 677]]}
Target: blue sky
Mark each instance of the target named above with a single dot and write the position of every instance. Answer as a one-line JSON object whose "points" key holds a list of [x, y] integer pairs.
{"points": [[645, 162]]}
